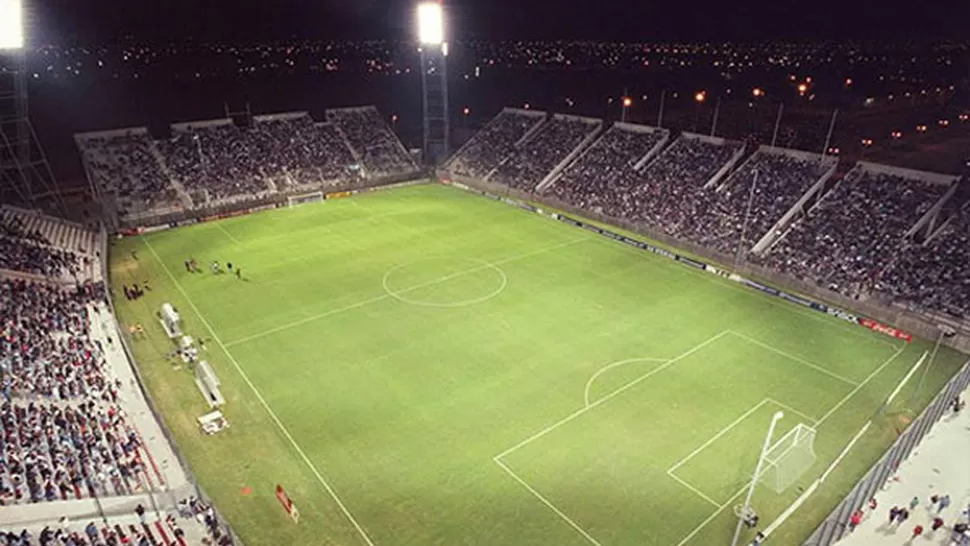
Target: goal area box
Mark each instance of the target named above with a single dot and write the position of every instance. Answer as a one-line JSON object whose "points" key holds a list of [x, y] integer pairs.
{"points": [[303, 198]]}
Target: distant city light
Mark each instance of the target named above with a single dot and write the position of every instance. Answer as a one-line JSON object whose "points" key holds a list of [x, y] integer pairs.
{"points": [[466, 111], [700, 96], [526, 106], [848, 82], [944, 123], [921, 128], [758, 92], [964, 117], [802, 88], [896, 135], [627, 102], [867, 142], [394, 118]]}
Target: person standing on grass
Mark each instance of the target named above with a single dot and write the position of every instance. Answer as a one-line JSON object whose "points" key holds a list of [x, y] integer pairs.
{"points": [[238, 272]]}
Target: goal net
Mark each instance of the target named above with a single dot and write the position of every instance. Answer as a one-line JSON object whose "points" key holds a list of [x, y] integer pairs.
{"points": [[789, 458], [302, 198]]}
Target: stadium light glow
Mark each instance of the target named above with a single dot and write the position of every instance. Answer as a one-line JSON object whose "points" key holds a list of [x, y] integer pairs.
{"points": [[431, 23], [11, 24]]}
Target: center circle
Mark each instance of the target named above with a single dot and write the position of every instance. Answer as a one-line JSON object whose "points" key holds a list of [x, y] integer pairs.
{"points": [[468, 281]]}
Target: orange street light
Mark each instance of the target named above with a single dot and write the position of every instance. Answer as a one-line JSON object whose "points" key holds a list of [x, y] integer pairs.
{"points": [[700, 96]]}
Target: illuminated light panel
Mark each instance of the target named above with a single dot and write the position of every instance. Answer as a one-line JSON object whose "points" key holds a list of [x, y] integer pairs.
{"points": [[431, 23], [11, 24]]}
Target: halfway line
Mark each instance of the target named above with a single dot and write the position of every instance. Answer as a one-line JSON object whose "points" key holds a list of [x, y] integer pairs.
{"points": [[382, 297]]}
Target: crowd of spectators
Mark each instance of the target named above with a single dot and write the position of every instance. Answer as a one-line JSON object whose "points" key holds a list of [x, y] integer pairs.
{"points": [[128, 167], [606, 168], [217, 160], [778, 181], [672, 198], [223, 162], [935, 276], [493, 143], [381, 152], [29, 251], [548, 147], [851, 239], [63, 434]]}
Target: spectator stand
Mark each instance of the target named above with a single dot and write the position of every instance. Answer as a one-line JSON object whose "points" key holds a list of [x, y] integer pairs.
{"points": [[852, 236], [47, 248], [546, 152], [826, 169], [932, 217], [711, 141], [603, 174], [596, 129], [381, 152], [661, 135], [127, 175], [493, 143]]}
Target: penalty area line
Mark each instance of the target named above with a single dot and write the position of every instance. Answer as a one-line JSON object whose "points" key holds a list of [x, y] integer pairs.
{"points": [[551, 506], [262, 401]]}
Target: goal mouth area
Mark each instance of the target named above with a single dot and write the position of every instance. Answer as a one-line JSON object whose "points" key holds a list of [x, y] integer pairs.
{"points": [[788, 459], [304, 198]]}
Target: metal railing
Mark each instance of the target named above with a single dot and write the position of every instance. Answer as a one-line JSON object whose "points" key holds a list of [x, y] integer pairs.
{"points": [[836, 524]]}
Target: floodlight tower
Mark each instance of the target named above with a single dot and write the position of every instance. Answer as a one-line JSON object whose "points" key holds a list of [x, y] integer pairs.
{"points": [[25, 175], [434, 81]]}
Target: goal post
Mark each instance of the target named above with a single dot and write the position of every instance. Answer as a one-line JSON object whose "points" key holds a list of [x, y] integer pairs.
{"points": [[789, 458], [300, 199]]}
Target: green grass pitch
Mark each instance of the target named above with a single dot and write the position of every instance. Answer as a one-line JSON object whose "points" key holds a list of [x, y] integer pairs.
{"points": [[424, 366]]}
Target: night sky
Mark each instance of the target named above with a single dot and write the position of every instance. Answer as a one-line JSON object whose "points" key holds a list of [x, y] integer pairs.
{"points": [[100, 21]]}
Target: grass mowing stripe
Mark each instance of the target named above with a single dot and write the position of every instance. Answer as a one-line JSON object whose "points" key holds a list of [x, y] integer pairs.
{"points": [[407, 290], [259, 397]]}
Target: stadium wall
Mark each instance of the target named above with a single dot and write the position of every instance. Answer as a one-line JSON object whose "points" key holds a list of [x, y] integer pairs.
{"points": [[874, 313], [173, 218]]}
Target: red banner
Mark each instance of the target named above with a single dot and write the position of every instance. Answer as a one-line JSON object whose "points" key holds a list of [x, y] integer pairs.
{"points": [[876, 326]]}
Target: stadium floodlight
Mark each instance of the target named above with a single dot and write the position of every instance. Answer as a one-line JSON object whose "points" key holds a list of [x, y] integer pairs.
{"points": [[431, 23], [11, 24]]}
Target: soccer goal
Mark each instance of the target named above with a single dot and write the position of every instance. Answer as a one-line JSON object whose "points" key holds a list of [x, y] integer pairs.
{"points": [[311, 197], [789, 458]]}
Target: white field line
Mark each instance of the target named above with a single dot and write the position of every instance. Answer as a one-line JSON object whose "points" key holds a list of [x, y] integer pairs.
{"points": [[611, 366], [858, 388], [794, 358], [696, 491], [704, 523], [842, 326], [230, 235], [610, 396], [385, 296], [793, 410], [714, 438], [551, 506], [847, 397], [262, 401]]}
